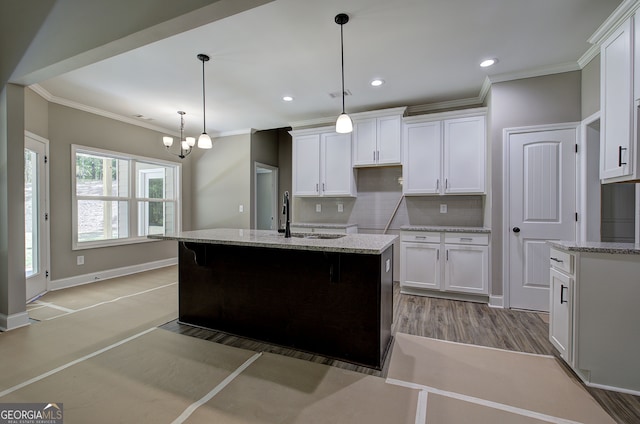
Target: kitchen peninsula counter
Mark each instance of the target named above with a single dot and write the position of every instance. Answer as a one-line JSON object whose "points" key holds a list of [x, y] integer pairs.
{"points": [[328, 296], [369, 244]]}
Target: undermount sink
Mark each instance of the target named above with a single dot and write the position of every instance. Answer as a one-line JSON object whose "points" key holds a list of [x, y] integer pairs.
{"points": [[318, 236]]}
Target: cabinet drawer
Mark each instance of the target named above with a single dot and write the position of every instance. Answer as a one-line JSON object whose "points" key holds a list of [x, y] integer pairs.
{"points": [[467, 238], [561, 260], [420, 237]]}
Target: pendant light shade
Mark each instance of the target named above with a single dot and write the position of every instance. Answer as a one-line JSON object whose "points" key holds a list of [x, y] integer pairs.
{"points": [[204, 141], [343, 124]]}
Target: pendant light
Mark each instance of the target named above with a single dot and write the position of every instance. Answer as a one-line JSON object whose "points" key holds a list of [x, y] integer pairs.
{"points": [[204, 141], [185, 143], [343, 124]]}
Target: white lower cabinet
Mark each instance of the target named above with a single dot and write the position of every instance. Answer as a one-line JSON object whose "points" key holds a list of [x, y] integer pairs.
{"points": [[446, 262], [420, 265], [561, 317], [594, 315]]}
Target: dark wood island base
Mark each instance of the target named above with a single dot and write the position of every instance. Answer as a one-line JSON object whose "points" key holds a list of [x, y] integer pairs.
{"points": [[335, 304]]}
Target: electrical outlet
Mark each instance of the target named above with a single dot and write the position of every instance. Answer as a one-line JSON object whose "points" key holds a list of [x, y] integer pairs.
{"points": [[318, 207], [80, 260], [340, 207], [241, 208], [443, 208]]}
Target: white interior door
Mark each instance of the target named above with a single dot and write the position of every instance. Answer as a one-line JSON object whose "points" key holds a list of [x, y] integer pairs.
{"points": [[541, 206], [36, 216]]}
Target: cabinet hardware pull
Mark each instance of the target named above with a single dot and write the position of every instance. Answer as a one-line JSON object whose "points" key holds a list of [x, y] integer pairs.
{"points": [[446, 183], [466, 239], [562, 299], [317, 190], [377, 155], [438, 184], [447, 254], [556, 259], [374, 155], [421, 237], [437, 255], [323, 189], [620, 149]]}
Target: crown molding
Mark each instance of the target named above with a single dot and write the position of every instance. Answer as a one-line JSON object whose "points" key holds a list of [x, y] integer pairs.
{"points": [[450, 104], [537, 72], [589, 55], [38, 89], [622, 12]]}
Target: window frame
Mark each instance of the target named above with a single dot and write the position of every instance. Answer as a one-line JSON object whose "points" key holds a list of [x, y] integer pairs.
{"points": [[132, 199]]}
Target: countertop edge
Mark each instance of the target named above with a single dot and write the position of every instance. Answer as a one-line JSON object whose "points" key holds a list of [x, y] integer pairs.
{"points": [[285, 246], [446, 229], [597, 247]]}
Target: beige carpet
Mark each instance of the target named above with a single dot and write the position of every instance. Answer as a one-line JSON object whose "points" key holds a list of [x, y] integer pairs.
{"points": [[465, 383]]}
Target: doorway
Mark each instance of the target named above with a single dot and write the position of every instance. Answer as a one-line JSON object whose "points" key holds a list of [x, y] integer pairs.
{"points": [[36, 214], [266, 197], [539, 205]]}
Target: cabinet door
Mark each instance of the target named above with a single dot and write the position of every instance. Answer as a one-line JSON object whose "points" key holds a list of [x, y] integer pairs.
{"points": [[616, 105], [306, 165], [335, 163], [560, 322], [389, 135], [422, 158], [466, 269], [364, 142], [420, 265], [464, 155]]}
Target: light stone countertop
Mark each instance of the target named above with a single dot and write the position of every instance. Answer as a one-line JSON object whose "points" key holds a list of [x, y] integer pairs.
{"points": [[445, 229], [321, 225], [371, 244], [597, 247]]}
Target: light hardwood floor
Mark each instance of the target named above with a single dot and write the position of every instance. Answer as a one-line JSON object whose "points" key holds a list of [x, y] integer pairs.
{"points": [[463, 322]]}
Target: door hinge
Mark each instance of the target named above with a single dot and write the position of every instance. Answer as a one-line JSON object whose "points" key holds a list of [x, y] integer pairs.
{"points": [[46, 274], [576, 147], [46, 216], [576, 216], [46, 159]]}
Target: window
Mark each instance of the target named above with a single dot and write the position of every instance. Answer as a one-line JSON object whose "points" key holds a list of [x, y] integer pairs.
{"points": [[120, 199]]}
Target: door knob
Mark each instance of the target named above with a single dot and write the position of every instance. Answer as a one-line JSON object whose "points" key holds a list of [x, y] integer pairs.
{"points": [[516, 229]]}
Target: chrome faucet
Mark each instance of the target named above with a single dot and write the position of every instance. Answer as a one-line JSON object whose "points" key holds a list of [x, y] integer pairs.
{"points": [[285, 211]]}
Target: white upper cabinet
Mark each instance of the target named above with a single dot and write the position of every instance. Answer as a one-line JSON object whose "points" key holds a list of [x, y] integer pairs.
{"points": [[617, 107], [444, 156], [377, 138], [322, 163], [423, 155], [464, 155]]}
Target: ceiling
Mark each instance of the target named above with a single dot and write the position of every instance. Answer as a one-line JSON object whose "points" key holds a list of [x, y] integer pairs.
{"points": [[426, 51]]}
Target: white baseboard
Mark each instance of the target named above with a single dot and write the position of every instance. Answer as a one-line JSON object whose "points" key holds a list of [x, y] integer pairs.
{"points": [[613, 388], [78, 280], [496, 301], [13, 321]]}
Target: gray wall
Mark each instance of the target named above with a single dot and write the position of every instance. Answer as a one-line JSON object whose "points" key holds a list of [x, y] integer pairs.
{"points": [[69, 126], [591, 88], [220, 183], [285, 168], [12, 260], [533, 101], [264, 149]]}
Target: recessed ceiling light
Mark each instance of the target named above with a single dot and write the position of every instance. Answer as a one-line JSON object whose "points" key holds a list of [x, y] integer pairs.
{"points": [[377, 82], [287, 98], [488, 62]]}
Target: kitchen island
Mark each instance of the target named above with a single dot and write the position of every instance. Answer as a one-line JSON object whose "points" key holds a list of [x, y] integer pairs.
{"points": [[330, 295]]}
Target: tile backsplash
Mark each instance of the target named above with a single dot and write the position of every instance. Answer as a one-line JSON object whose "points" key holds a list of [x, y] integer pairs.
{"points": [[379, 191]]}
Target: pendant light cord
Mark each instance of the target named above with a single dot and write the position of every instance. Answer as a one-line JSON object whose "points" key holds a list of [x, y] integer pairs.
{"points": [[204, 109], [342, 60]]}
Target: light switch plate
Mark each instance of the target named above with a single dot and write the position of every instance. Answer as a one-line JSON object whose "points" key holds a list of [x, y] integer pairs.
{"points": [[318, 207], [80, 260], [340, 207], [443, 208], [241, 208]]}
